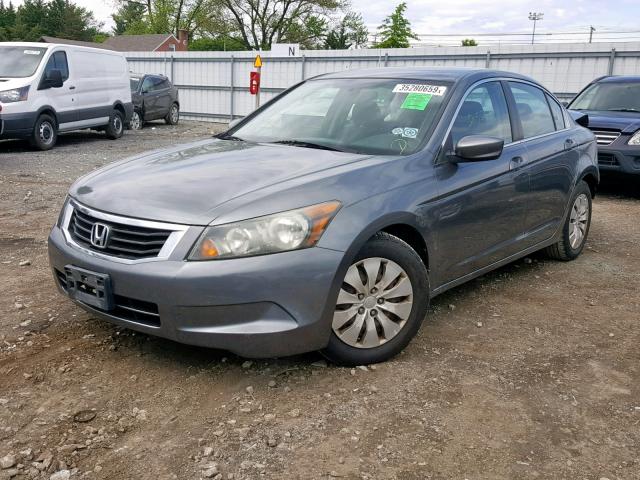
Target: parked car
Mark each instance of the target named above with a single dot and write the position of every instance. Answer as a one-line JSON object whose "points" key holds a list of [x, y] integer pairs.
{"points": [[46, 89], [613, 107], [328, 219], [154, 98]]}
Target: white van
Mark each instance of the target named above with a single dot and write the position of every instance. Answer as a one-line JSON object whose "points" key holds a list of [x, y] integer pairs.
{"points": [[50, 88]]}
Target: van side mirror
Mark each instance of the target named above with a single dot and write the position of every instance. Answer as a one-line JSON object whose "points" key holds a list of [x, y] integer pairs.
{"points": [[53, 79], [477, 148]]}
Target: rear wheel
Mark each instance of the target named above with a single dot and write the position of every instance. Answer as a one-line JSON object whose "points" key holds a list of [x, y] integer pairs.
{"points": [[115, 128], [576, 226], [173, 117], [45, 133], [382, 301]]}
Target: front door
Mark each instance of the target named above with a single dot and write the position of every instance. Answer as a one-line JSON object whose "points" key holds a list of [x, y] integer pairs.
{"points": [[63, 99], [480, 214]]}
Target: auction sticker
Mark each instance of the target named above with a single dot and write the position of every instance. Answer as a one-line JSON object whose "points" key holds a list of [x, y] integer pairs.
{"points": [[32, 52], [416, 101], [419, 88]]}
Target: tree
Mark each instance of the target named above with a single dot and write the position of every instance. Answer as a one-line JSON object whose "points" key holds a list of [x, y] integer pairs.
{"points": [[351, 31], [469, 42], [129, 18], [164, 16], [220, 43], [7, 20], [260, 23], [395, 30]]}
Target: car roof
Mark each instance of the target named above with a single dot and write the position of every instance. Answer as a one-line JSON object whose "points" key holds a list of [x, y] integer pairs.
{"points": [[620, 79], [142, 75], [451, 74]]}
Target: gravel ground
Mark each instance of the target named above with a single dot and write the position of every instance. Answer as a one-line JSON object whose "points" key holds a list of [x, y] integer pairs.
{"points": [[530, 372]]}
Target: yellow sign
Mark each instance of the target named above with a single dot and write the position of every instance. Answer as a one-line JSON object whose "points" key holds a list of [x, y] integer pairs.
{"points": [[258, 62]]}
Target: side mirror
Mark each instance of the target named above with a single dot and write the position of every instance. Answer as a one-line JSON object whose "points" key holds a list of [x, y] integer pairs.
{"points": [[233, 123], [53, 79], [580, 118], [477, 148]]}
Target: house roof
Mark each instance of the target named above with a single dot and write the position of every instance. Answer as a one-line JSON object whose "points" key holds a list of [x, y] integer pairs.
{"points": [[64, 41], [137, 43]]}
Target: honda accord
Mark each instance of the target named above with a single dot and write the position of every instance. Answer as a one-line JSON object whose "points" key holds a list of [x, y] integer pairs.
{"points": [[328, 218]]}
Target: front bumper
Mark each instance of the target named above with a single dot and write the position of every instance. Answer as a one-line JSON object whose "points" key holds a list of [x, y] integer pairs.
{"points": [[17, 125], [622, 158], [267, 306]]}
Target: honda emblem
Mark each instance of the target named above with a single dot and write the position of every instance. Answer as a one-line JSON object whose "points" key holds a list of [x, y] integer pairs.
{"points": [[100, 235]]}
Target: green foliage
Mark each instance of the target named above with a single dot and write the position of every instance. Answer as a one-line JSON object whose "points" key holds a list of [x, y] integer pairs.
{"points": [[469, 42], [351, 31], [219, 44], [395, 30], [56, 18], [129, 19]]}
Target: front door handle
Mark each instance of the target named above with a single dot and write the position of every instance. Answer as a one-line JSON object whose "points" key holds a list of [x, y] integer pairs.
{"points": [[569, 143], [72, 87], [516, 163]]}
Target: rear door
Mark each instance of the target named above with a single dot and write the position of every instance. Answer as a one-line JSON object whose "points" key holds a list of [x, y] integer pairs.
{"points": [[551, 159], [481, 212]]}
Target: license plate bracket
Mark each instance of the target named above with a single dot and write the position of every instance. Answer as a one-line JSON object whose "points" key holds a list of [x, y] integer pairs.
{"points": [[91, 288]]}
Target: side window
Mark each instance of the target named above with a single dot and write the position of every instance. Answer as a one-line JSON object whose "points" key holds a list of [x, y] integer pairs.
{"points": [[157, 83], [556, 111], [147, 84], [533, 110], [58, 61], [483, 112]]}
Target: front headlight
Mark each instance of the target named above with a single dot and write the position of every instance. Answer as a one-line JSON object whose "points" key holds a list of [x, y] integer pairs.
{"points": [[280, 232], [14, 95], [635, 140]]}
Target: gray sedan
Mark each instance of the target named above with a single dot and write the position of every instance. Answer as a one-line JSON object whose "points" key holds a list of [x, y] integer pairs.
{"points": [[329, 218]]}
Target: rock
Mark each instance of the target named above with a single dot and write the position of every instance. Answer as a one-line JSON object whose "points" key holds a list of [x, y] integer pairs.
{"points": [[269, 417], [25, 263], [207, 452], [479, 324], [452, 306], [141, 415], [295, 413], [61, 475], [18, 306], [528, 261], [249, 390], [272, 384], [84, 416], [4, 401], [363, 368], [7, 461], [320, 364], [247, 364], [26, 323], [210, 470], [12, 472]]}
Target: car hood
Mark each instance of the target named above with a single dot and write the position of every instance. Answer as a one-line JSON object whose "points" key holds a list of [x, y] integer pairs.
{"points": [[185, 184], [626, 122]]}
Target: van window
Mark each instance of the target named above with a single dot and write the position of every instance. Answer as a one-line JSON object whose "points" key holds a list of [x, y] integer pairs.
{"points": [[58, 61]]}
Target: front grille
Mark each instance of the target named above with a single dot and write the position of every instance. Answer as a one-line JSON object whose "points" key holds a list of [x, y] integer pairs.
{"points": [[126, 308], [607, 159], [606, 137], [124, 241]]}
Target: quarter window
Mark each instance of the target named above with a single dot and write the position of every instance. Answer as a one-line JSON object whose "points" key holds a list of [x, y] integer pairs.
{"points": [[483, 112], [556, 111], [533, 110], [58, 61]]}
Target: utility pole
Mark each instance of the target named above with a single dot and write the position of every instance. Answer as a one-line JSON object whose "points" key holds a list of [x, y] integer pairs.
{"points": [[535, 16], [591, 30]]}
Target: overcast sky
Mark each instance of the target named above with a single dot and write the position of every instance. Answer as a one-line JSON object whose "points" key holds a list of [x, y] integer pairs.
{"points": [[490, 16]]}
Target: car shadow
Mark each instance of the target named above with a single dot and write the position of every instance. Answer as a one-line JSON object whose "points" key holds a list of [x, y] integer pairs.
{"points": [[619, 186], [64, 140]]}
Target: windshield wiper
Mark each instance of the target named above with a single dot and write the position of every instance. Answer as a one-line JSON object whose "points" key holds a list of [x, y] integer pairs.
{"points": [[299, 143], [624, 110], [224, 136]]}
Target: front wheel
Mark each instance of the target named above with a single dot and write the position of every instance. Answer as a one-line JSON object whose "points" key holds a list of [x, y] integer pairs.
{"points": [[115, 128], [45, 133], [136, 121], [382, 301], [576, 227], [173, 117]]}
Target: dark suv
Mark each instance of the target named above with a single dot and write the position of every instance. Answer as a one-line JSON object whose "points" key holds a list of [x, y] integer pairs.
{"points": [[154, 98], [613, 107]]}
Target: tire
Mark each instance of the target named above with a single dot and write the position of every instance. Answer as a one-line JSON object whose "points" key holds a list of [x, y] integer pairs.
{"points": [[136, 122], [45, 133], [390, 316], [173, 117], [115, 128], [576, 226]]}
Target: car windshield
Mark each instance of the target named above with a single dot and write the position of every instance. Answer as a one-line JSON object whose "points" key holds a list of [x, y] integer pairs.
{"points": [[372, 116], [20, 62], [619, 96], [135, 82]]}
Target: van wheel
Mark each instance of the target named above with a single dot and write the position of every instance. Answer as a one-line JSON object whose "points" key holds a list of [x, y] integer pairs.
{"points": [[173, 117], [382, 301], [115, 128], [45, 133]]}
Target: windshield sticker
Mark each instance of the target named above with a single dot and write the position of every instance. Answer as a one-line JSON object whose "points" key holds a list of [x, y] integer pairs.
{"points": [[32, 52], [416, 101], [406, 132], [418, 88]]}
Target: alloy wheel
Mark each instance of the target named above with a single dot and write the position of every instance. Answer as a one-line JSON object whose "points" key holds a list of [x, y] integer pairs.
{"points": [[174, 114], [136, 121], [578, 221], [374, 303]]}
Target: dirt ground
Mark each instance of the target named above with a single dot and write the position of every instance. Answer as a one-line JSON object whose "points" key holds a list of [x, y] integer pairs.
{"points": [[530, 372]]}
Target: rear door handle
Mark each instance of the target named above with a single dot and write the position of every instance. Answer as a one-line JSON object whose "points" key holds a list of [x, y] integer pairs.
{"points": [[516, 163]]}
